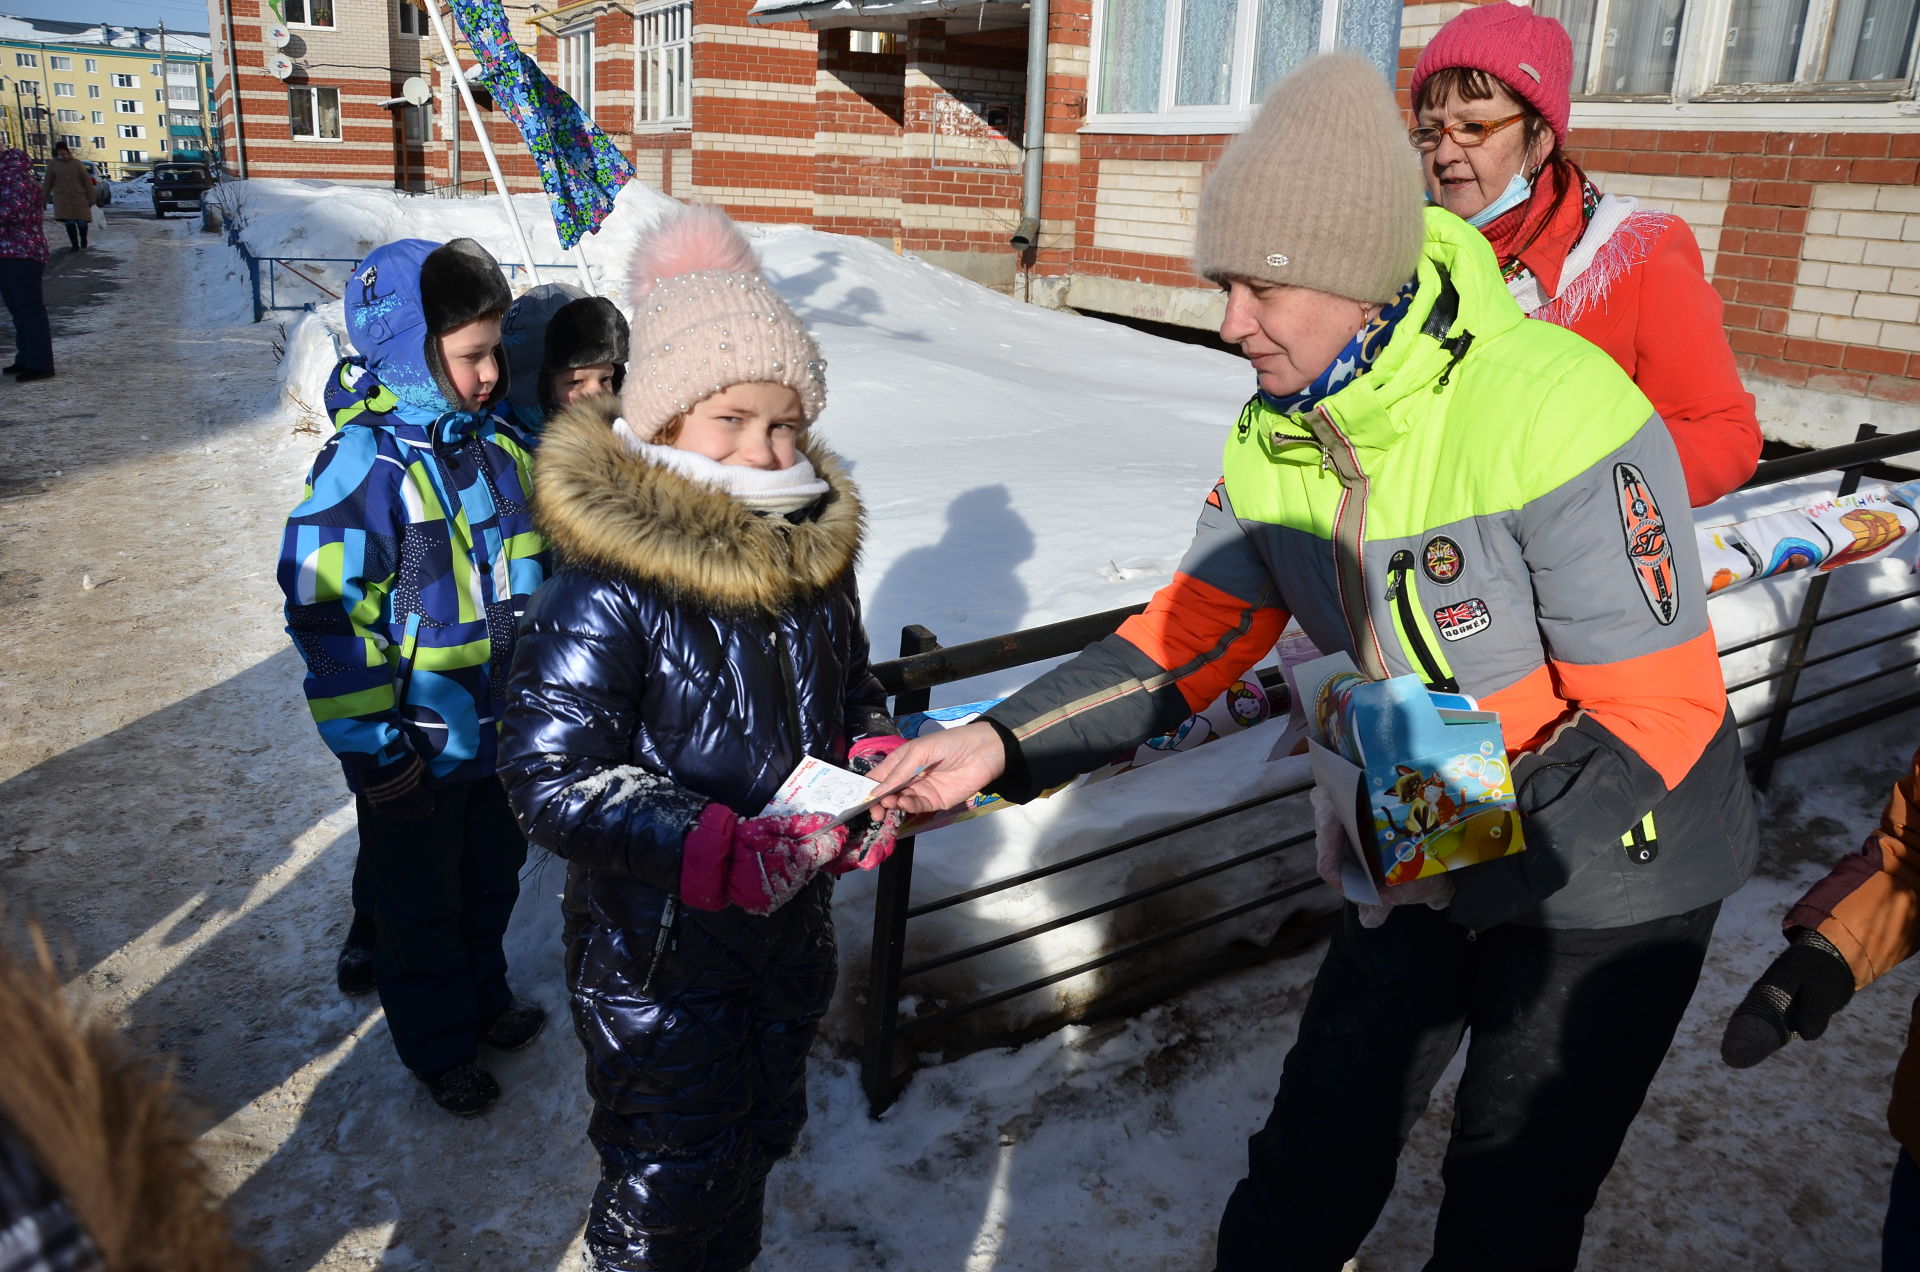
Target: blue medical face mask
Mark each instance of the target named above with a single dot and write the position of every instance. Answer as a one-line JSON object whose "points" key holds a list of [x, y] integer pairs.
{"points": [[1518, 190]]}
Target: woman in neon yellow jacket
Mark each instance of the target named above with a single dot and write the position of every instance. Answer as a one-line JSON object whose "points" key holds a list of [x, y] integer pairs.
{"points": [[1438, 486]]}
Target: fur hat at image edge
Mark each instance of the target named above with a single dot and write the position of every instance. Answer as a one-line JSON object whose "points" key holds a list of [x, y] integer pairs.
{"points": [[586, 333], [459, 282], [704, 319]]}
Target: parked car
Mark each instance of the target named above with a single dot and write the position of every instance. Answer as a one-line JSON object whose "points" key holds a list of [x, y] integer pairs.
{"points": [[178, 187]]}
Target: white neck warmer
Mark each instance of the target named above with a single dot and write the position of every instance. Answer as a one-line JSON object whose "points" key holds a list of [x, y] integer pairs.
{"points": [[778, 492]]}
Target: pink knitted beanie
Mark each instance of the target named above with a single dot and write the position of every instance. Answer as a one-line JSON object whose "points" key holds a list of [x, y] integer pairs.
{"points": [[705, 318], [1531, 55]]}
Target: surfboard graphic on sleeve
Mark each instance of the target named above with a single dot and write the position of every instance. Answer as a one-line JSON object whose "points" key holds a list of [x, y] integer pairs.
{"points": [[1647, 546]]}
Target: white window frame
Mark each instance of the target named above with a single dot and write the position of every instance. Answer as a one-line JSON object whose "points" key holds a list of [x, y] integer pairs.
{"points": [[92, 65], [120, 79], [574, 63], [64, 90], [127, 106], [133, 156], [57, 62], [99, 116], [305, 9], [1698, 101], [1170, 118], [100, 143], [93, 92], [131, 132], [663, 43], [73, 141], [417, 20], [69, 116], [27, 59], [315, 90]]}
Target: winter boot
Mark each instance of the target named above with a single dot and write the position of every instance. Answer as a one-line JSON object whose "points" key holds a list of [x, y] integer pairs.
{"points": [[464, 1090], [353, 970], [516, 1027]]}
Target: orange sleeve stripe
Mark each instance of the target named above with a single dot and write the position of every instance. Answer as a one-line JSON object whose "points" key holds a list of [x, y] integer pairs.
{"points": [[1529, 708], [1205, 634], [1665, 705]]}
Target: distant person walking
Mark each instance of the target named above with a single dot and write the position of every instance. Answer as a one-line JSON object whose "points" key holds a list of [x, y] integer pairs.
{"points": [[23, 261], [70, 186]]}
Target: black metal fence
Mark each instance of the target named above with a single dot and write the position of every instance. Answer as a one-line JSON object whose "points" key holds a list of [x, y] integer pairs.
{"points": [[924, 664]]}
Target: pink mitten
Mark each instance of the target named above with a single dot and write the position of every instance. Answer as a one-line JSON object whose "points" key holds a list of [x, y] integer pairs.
{"points": [[1330, 850], [774, 857], [758, 863], [870, 841], [866, 753]]}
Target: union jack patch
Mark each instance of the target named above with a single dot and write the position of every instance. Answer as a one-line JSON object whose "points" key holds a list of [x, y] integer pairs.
{"points": [[1468, 618]]}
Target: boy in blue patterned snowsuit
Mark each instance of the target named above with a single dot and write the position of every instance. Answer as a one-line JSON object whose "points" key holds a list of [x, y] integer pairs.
{"points": [[406, 568]]}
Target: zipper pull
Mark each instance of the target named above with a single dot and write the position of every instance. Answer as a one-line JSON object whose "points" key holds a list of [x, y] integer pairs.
{"points": [[1326, 461], [1397, 567]]}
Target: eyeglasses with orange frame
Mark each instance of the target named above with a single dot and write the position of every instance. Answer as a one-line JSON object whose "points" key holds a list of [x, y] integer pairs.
{"points": [[1466, 134]]}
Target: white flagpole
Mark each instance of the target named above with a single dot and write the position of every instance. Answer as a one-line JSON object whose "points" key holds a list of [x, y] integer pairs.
{"points": [[480, 132], [580, 262]]}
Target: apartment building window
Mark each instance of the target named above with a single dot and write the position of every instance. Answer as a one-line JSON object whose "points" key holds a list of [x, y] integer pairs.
{"points": [[416, 124], [26, 59], [99, 143], [314, 13], [1741, 50], [133, 156], [99, 116], [59, 63], [133, 130], [92, 65], [314, 113], [412, 20], [72, 140], [64, 90], [184, 121], [664, 62], [183, 93], [1211, 61], [93, 91], [126, 106], [69, 116], [576, 66], [125, 81]]}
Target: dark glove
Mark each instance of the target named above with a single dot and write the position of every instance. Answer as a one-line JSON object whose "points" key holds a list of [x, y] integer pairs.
{"points": [[1796, 996], [402, 790]]}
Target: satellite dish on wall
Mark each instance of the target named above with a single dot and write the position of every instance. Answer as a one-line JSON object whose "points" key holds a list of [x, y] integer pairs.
{"points": [[278, 35], [279, 66], [416, 92]]}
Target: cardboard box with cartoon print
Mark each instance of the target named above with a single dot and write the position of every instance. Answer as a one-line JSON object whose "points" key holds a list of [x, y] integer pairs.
{"points": [[1420, 779]]}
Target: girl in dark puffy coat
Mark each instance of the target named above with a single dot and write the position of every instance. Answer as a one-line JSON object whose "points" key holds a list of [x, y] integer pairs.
{"points": [[702, 636]]}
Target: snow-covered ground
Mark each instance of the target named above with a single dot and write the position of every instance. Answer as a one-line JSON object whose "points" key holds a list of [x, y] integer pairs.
{"points": [[175, 821]]}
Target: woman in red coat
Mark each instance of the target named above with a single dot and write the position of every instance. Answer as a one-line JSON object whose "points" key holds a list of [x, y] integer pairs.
{"points": [[1491, 96]]}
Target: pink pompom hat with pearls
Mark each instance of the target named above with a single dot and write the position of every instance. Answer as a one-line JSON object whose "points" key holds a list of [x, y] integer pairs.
{"points": [[705, 318]]}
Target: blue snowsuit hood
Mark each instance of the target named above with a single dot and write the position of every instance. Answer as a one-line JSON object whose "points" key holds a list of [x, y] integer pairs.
{"points": [[387, 320]]}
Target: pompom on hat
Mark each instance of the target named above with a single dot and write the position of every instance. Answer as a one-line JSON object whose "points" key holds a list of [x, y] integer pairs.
{"points": [[1321, 191], [1530, 55], [705, 318]]}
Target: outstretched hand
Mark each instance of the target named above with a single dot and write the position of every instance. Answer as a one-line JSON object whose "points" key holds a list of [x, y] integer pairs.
{"points": [[954, 764]]}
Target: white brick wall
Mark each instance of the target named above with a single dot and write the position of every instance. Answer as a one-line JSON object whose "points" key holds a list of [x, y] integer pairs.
{"points": [[1859, 276], [1146, 206]]}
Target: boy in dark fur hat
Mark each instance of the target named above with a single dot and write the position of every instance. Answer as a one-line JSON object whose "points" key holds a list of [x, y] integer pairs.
{"points": [[563, 347], [406, 568]]}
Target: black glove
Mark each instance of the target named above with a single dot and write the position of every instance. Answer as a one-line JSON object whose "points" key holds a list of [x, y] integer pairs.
{"points": [[1797, 995], [402, 790]]}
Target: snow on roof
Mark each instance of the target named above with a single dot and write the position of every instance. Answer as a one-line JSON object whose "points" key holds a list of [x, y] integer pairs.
{"points": [[111, 35], [892, 7]]}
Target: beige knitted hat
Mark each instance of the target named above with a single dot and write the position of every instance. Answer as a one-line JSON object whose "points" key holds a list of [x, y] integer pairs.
{"points": [[1321, 191], [705, 318]]}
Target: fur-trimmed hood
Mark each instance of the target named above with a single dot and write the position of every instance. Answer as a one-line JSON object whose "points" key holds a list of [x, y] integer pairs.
{"points": [[605, 508]]}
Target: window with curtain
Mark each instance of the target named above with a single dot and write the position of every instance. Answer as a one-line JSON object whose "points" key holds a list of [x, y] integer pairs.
{"points": [[663, 54], [1778, 42], [1173, 57], [1621, 48], [576, 66]]}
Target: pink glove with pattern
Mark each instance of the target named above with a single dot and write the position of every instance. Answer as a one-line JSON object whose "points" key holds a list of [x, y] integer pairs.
{"points": [[758, 863], [870, 836]]}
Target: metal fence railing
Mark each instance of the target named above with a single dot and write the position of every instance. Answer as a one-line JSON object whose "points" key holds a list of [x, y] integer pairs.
{"points": [[264, 276], [923, 665]]}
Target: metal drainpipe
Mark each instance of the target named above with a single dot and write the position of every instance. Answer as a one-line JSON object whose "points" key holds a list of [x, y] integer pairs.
{"points": [[233, 86], [1027, 235]]}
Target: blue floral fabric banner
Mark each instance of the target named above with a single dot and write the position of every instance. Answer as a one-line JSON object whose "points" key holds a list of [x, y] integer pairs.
{"points": [[580, 167]]}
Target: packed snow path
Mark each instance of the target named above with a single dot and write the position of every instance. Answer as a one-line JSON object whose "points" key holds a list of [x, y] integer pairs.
{"points": [[171, 818]]}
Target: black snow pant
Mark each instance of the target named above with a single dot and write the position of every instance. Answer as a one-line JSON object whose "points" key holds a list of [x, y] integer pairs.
{"points": [[1565, 1027], [697, 1063], [439, 893]]}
